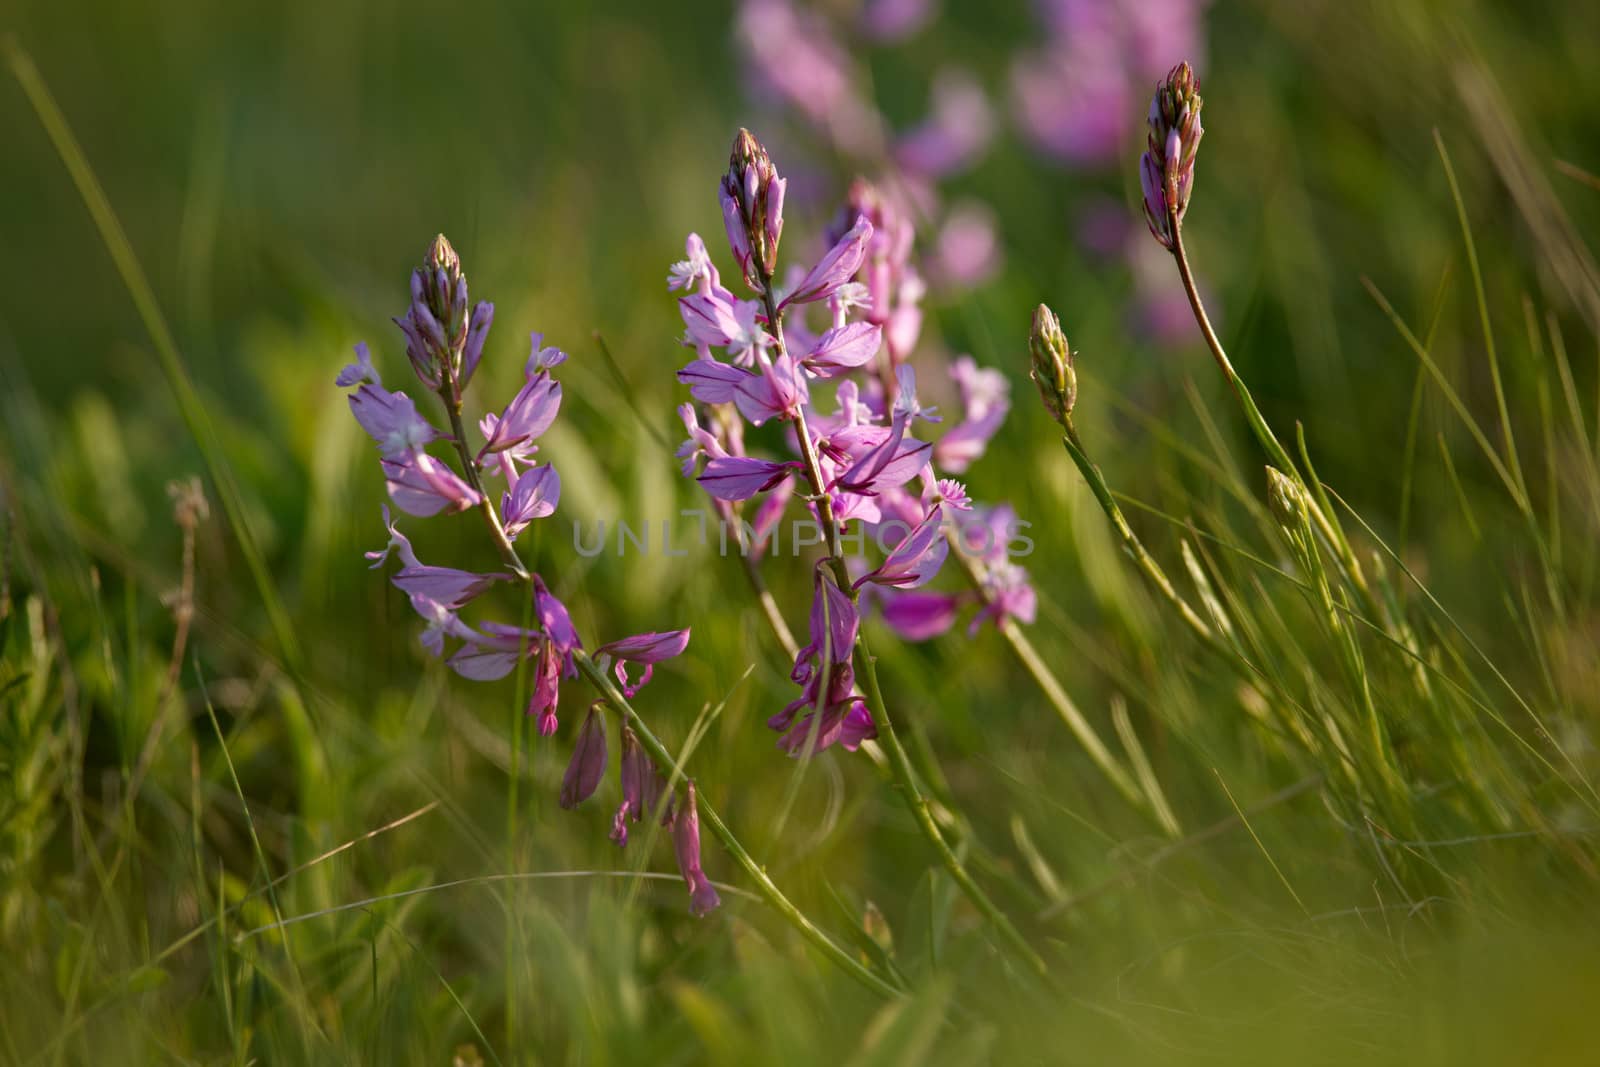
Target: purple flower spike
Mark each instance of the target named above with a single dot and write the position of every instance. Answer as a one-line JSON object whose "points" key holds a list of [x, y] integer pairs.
{"points": [[645, 649], [835, 268], [436, 324], [588, 763], [686, 839], [534, 496]]}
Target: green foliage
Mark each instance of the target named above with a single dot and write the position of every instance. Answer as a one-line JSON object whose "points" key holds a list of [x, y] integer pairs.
{"points": [[285, 835]]}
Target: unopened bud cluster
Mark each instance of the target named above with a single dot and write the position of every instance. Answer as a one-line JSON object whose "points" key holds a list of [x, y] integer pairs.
{"points": [[1052, 369], [752, 208], [1284, 499], [1166, 170], [444, 340]]}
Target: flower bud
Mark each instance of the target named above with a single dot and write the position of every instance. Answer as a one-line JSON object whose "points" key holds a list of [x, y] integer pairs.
{"points": [[1166, 170], [438, 323], [588, 764], [1052, 364], [1284, 499], [752, 208], [686, 840], [637, 773]]}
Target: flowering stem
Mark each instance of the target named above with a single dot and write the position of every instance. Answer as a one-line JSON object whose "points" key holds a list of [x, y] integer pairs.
{"points": [[1258, 424], [769, 891], [808, 450], [899, 763], [1055, 693], [452, 404], [658, 752]]}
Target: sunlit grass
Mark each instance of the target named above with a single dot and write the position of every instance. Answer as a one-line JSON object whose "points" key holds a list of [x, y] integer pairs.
{"points": [[1383, 794]]}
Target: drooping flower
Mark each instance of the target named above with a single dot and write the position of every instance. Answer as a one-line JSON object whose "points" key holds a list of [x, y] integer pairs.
{"points": [[637, 775], [446, 586], [588, 763], [703, 897], [646, 650]]}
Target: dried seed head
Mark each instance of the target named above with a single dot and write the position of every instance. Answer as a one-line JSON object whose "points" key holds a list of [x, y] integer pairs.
{"points": [[1052, 369]]}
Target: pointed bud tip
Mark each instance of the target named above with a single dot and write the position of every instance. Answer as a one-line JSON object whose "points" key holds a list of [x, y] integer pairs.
{"points": [[1051, 364], [1284, 499], [441, 254]]}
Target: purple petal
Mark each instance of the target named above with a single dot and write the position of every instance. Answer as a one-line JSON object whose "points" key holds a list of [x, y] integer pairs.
{"points": [[836, 267], [843, 348], [741, 477], [647, 648], [920, 616], [711, 382], [535, 496], [422, 486]]}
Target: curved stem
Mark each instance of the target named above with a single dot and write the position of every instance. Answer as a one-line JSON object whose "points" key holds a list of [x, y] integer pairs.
{"points": [[769, 891], [1130, 541], [1054, 691], [905, 778], [1348, 564], [769, 607], [508, 554]]}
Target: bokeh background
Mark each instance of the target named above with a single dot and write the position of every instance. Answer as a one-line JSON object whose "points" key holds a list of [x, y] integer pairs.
{"points": [[280, 168]]}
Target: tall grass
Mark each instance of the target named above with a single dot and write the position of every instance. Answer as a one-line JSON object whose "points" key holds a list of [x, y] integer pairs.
{"points": [[1384, 786]]}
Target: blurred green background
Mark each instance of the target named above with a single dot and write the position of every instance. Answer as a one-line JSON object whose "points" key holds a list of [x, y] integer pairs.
{"points": [[280, 168]]}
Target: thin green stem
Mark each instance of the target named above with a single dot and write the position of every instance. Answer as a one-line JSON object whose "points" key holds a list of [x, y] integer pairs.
{"points": [[905, 778], [1349, 565], [1055, 693], [1135, 548], [769, 891], [452, 405]]}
